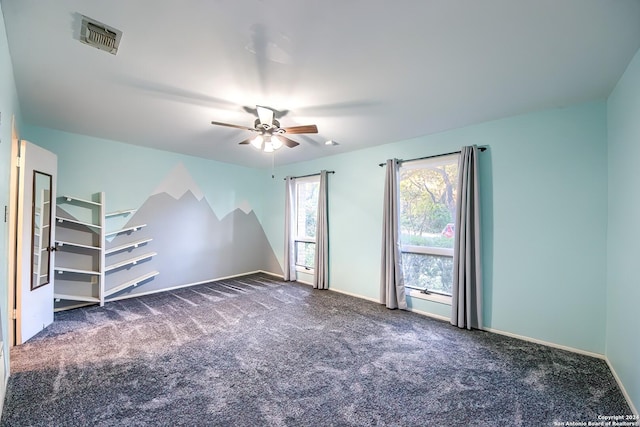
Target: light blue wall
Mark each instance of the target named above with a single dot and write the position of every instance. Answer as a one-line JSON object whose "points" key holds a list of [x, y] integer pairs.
{"points": [[544, 192], [8, 107], [623, 290]]}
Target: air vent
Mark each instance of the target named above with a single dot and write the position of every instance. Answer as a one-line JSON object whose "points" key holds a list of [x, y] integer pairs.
{"points": [[100, 36]]}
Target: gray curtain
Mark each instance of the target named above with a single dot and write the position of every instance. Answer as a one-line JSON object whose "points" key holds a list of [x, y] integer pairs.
{"points": [[391, 282], [321, 277], [289, 244], [466, 304]]}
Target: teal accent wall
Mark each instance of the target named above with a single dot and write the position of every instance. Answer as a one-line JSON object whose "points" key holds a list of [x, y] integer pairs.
{"points": [[201, 215], [8, 107], [544, 215], [128, 174], [623, 290]]}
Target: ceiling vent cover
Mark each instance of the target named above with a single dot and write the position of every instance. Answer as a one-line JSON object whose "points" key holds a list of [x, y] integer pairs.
{"points": [[100, 36]]}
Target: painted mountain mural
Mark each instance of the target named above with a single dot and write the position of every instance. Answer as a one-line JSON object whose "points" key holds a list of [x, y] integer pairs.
{"points": [[191, 244]]}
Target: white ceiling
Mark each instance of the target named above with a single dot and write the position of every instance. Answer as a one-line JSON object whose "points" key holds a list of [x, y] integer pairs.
{"points": [[367, 72]]}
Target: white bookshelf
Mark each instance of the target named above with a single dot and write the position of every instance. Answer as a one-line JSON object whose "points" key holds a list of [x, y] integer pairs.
{"points": [[79, 262], [122, 269], [88, 267]]}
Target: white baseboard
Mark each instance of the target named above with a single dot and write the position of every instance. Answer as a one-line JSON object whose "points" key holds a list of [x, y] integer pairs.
{"points": [[4, 378], [495, 331], [545, 343], [341, 292], [279, 276], [427, 314], [621, 386], [355, 295], [155, 291]]}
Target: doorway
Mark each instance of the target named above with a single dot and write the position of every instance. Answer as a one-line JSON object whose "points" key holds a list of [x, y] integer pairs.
{"points": [[32, 239]]}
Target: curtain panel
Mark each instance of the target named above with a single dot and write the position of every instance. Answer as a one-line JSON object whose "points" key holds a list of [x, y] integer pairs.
{"points": [[466, 303], [289, 221], [392, 292], [321, 276]]}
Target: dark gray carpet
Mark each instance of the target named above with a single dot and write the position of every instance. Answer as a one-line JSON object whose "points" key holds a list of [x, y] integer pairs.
{"points": [[255, 351]]}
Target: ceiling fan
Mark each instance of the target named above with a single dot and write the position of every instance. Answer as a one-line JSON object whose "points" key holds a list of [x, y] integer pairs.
{"points": [[270, 135]]}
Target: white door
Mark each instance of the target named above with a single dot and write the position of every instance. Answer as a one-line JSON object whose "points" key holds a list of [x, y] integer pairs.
{"points": [[35, 240]]}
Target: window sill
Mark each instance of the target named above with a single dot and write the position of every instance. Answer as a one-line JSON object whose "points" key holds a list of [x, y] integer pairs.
{"points": [[305, 270], [442, 299]]}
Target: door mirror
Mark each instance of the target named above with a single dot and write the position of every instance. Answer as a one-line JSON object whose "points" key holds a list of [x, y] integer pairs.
{"points": [[41, 230]]}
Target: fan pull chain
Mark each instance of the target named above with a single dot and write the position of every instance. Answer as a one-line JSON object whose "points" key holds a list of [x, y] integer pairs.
{"points": [[273, 163]]}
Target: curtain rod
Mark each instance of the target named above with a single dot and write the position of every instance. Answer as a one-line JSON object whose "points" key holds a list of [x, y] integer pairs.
{"points": [[431, 157], [311, 174]]}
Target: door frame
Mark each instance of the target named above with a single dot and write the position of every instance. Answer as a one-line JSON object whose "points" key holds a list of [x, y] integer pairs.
{"points": [[13, 233]]}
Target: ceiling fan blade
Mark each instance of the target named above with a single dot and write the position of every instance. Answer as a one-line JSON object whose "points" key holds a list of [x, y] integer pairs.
{"points": [[232, 126], [276, 114], [280, 114], [246, 141], [288, 142], [250, 110], [265, 114], [301, 129]]}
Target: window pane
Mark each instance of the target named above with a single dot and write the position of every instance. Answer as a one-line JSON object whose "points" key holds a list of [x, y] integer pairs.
{"points": [[427, 214], [431, 272], [307, 209], [305, 254], [428, 203]]}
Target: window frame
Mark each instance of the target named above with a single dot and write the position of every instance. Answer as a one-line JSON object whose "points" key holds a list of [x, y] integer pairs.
{"points": [[414, 290], [298, 238]]}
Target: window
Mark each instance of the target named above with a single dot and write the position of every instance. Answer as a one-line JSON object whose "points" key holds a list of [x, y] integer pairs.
{"points": [[427, 216], [305, 221]]}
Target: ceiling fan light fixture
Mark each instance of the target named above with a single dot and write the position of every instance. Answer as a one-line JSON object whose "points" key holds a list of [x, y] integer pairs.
{"points": [[257, 142], [276, 143], [271, 136]]}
